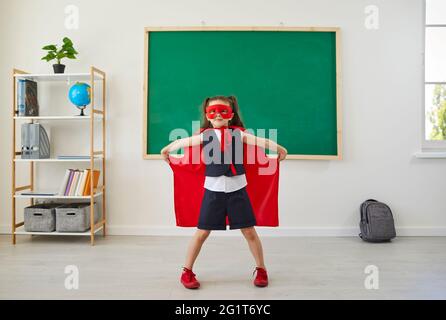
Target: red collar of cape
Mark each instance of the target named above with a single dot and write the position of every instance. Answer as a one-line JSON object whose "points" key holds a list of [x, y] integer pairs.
{"points": [[189, 175]]}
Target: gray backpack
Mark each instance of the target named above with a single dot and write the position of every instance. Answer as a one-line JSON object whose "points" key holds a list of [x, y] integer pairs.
{"points": [[376, 222]]}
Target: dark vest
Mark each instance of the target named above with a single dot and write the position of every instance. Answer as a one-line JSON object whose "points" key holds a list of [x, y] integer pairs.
{"points": [[220, 164]]}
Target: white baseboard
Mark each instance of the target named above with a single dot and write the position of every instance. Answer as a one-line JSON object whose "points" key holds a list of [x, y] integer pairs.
{"points": [[263, 231], [276, 232]]}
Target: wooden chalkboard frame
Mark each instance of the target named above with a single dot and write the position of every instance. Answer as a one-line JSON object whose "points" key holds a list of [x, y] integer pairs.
{"points": [[337, 32]]}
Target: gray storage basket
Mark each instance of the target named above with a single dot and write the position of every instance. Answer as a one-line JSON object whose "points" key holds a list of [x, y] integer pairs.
{"points": [[75, 217], [41, 217]]}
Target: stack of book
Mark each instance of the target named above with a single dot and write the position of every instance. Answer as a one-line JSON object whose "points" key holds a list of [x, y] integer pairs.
{"points": [[77, 182]]}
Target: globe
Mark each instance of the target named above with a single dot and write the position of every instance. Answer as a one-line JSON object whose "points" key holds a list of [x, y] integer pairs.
{"points": [[80, 95]]}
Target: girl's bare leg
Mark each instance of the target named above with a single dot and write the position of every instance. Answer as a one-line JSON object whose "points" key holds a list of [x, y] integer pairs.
{"points": [[255, 245], [195, 246]]}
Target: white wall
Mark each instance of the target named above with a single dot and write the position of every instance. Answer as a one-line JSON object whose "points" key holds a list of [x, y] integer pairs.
{"points": [[382, 74]]}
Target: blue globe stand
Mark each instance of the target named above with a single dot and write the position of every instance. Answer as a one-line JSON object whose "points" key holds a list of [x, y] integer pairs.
{"points": [[82, 111], [79, 95]]}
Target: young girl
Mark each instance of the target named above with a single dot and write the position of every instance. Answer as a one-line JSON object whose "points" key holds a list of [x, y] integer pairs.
{"points": [[225, 182]]}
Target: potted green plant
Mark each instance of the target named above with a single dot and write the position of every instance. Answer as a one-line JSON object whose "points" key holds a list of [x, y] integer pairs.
{"points": [[66, 51]]}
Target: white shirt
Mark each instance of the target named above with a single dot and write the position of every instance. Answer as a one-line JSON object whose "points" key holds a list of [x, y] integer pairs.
{"points": [[224, 183]]}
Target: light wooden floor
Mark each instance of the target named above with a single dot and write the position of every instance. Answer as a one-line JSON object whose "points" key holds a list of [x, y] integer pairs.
{"points": [[128, 267]]}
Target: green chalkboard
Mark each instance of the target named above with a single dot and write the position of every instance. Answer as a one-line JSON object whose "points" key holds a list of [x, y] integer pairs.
{"points": [[283, 80]]}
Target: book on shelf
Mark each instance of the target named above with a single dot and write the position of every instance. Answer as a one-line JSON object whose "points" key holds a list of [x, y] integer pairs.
{"points": [[81, 184], [27, 103], [73, 157], [74, 183], [70, 180], [63, 186], [36, 193], [77, 182], [84, 182], [96, 174]]}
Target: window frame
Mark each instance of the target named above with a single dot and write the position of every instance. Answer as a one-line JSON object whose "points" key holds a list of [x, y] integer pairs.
{"points": [[428, 144]]}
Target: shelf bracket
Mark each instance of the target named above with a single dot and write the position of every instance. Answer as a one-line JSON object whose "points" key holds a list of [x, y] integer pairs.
{"points": [[23, 188], [99, 224], [19, 224]]}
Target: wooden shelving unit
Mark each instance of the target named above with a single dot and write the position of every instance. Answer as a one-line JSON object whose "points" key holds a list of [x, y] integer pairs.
{"points": [[95, 75]]}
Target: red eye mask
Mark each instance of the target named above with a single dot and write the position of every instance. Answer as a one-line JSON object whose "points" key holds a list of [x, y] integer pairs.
{"points": [[224, 110]]}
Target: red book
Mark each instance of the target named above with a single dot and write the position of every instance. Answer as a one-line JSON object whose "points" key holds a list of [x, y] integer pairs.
{"points": [[262, 175]]}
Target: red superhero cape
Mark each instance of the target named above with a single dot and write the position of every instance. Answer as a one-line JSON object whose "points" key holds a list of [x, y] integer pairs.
{"points": [[262, 175]]}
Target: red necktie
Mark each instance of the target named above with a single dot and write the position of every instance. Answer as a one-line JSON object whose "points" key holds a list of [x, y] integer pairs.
{"points": [[226, 140]]}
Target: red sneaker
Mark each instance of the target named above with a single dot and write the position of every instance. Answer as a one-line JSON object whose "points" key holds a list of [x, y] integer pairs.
{"points": [[261, 279], [188, 279]]}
